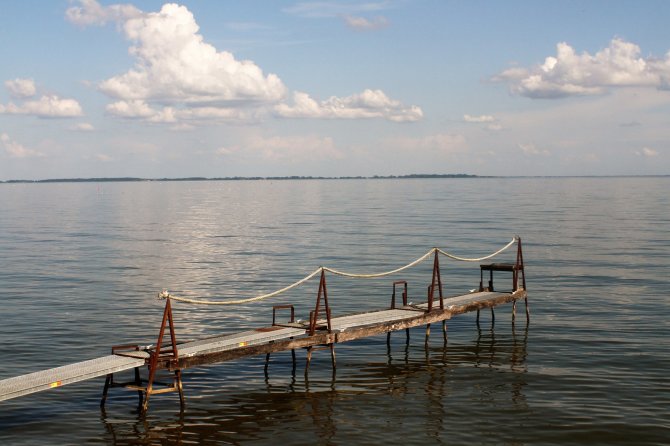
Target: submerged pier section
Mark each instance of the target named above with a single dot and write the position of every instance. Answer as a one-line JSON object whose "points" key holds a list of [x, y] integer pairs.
{"points": [[322, 331]]}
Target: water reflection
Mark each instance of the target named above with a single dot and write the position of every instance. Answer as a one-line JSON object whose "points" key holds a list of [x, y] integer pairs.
{"points": [[425, 383]]}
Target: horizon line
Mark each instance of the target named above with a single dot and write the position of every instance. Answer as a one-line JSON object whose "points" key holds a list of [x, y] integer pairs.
{"points": [[311, 177]]}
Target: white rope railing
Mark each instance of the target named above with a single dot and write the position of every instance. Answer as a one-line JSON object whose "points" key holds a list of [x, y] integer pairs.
{"points": [[479, 259], [387, 273], [165, 294]]}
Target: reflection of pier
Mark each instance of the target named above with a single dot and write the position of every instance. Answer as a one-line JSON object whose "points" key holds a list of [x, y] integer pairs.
{"points": [[321, 331], [320, 409]]}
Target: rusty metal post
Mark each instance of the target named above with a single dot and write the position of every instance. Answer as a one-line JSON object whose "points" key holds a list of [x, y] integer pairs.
{"points": [[172, 357], [437, 280], [404, 303], [519, 267], [274, 322], [108, 381], [322, 291], [308, 360], [314, 316], [138, 383]]}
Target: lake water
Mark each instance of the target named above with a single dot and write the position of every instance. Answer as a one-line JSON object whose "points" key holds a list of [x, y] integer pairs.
{"points": [[80, 266]]}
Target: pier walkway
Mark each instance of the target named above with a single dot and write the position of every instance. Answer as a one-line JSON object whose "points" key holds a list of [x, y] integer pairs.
{"points": [[321, 331]]}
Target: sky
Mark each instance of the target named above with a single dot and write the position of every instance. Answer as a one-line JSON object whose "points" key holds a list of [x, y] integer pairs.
{"points": [[322, 88]]}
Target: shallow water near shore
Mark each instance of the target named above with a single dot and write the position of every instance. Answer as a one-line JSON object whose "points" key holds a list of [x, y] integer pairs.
{"points": [[80, 266]]}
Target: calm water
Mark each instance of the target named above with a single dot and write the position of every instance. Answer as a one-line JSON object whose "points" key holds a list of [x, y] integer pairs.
{"points": [[80, 265]]}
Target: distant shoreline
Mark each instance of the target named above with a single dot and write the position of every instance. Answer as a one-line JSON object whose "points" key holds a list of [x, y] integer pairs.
{"points": [[238, 178], [283, 178]]}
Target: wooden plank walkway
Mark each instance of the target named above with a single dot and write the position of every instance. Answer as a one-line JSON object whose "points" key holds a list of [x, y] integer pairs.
{"points": [[72, 373], [281, 337]]}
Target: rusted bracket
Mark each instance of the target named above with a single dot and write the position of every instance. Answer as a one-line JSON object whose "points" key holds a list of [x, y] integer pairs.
{"points": [[282, 307], [274, 322], [404, 293]]}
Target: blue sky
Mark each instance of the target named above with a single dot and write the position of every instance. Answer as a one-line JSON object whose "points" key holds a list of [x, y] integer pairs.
{"points": [[264, 88]]}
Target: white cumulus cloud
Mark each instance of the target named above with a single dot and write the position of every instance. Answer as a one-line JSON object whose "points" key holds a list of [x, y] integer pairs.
{"points": [[531, 149], [569, 73], [45, 107], [130, 109], [175, 65], [138, 109], [179, 77], [21, 88], [90, 12], [368, 104], [479, 119], [646, 152], [15, 149], [363, 24], [83, 127]]}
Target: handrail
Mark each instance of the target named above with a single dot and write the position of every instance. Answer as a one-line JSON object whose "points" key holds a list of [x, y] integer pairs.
{"points": [[165, 294]]}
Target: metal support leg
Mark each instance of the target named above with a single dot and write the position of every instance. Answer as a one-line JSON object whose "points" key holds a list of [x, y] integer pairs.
{"points": [[180, 389], [332, 356], [527, 311], [309, 359], [427, 333], [444, 330], [108, 381], [138, 383]]}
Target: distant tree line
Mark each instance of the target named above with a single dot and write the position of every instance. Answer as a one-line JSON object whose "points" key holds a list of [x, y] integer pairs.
{"points": [[238, 178]]}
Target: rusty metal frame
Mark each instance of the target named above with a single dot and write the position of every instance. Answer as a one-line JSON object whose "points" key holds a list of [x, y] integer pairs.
{"points": [[282, 307], [404, 303], [437, 280], [274, 323], [314, 317], [404, 293], [168, 357]]}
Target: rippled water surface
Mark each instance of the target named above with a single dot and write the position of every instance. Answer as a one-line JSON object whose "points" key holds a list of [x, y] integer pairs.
{"points": [[80, 265]]}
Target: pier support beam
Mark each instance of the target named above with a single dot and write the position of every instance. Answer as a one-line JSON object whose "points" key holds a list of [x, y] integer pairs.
{"points": [[159, 357], [313, 323], [274, 323]]}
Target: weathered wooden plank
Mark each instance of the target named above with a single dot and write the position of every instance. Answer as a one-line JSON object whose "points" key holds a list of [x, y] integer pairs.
{"points": [[344, 335], [60, 376], [263, 340]]}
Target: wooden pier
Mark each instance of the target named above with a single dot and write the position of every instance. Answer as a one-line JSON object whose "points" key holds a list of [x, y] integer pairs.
{"points": [[322, 331]]}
